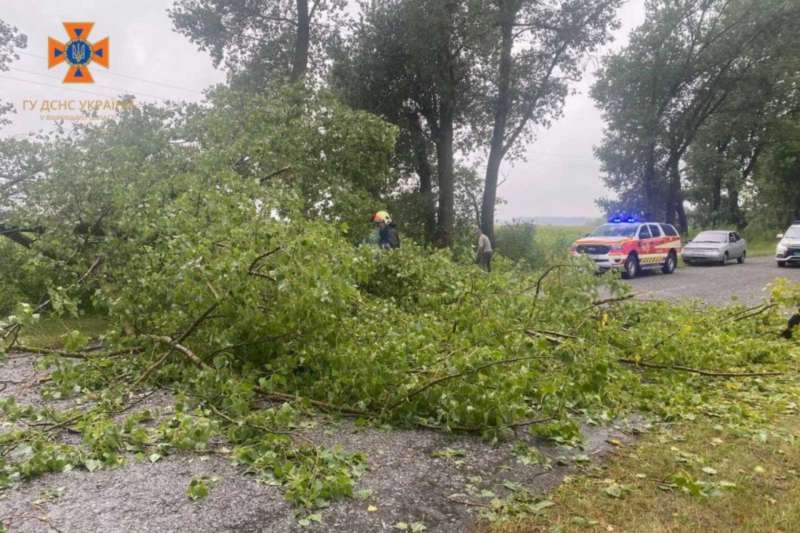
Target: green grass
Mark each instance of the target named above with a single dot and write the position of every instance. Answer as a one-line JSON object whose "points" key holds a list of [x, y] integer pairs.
{"points": [[553, 242], [761, 247], [50, 332], [764, 496]]}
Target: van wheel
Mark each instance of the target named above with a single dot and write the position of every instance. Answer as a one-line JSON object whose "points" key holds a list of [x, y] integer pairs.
{"points": [[725, 259], [781, 264], [631, 267], [741, 259], [669, 264]]}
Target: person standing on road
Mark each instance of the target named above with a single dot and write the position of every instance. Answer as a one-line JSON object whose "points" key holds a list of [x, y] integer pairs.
{"points": [[484, 255]]}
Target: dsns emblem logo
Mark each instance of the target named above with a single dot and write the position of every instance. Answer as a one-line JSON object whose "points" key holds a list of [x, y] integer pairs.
{"points": [[78, 52]]}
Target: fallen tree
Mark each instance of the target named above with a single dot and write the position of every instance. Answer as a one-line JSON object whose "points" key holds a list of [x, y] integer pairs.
{"points": [[255, 309]]}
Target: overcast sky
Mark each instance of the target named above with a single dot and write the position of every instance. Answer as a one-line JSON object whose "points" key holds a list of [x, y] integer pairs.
{"points": [[149, 60]]}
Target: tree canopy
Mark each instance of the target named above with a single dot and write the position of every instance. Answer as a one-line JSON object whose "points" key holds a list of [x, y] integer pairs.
{"points": [[692, 65]]}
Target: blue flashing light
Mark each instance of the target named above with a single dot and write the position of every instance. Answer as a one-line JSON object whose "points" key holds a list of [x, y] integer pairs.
{"points": [[623, 218]]}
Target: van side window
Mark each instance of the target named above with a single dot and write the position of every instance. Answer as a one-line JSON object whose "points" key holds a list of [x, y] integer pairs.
{"points": [[644, 233], [654, 230], [669, 230]]}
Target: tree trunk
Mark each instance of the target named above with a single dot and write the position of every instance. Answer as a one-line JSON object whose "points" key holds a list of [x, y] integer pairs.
{"points": [[501, 112], [302, 42], [675, 209], [443, 131], [445, 173], [423, 167], [716, 198], [649, 179]]}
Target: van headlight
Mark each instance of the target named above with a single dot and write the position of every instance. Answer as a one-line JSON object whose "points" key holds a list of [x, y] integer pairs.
{"points": [[781, 249]]}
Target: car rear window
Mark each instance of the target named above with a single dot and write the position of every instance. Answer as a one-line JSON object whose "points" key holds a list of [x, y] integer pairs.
{"points": [[669, 230]]}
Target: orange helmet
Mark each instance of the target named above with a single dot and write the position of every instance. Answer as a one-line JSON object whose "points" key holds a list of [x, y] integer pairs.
{"points": [[381, 216]]}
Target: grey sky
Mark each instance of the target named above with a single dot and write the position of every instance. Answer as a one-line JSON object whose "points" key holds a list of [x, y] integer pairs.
{"points": [[559, 178]]}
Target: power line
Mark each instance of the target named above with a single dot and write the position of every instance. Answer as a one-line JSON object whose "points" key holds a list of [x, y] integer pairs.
{"points": [[62, 87], [117, 74], [127, 91]]}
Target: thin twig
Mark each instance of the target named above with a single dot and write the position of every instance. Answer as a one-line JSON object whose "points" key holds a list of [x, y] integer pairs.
{"points": [[754, 313], [283, 397], [196, 323], [709, 373], [151, 368], [258, 426], [456, 375], [605, 301], [273, 174], [183, 349]]}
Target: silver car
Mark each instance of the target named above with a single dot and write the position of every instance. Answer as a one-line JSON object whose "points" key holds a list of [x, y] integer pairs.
{"points": [[788, 250], [718, 246]]}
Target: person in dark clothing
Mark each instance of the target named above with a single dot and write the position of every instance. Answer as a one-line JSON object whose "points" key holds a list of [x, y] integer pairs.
{"points": [[388, 237], [794, 321]]}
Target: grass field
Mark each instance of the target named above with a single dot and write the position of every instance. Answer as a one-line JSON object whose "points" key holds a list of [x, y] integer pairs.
{"points": [[691, 478], [553, 242], [50, 332]]}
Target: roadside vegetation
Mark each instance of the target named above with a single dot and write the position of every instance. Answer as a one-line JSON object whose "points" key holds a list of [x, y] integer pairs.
{"points": [[220, 252], [684, 477]]}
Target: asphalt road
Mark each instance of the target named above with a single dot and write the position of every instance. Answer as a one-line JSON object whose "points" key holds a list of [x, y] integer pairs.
{"points": [[714, 284]]}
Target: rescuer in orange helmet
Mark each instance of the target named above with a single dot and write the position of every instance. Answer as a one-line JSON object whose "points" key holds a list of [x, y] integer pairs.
{"points": [[388, 237]]}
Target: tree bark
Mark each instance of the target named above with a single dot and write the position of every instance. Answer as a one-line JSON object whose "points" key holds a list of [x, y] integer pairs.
{"points": [[443, 131], [649, 179], [501, 112], [445, 173], [676, 213], [302, 42], [423, 167]]}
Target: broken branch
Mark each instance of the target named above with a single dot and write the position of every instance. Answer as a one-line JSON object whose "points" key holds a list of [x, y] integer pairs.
{"points": [[701, 372]]}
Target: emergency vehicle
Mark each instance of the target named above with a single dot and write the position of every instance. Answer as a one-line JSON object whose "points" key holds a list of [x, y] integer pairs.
{"points": [[628, 244]]}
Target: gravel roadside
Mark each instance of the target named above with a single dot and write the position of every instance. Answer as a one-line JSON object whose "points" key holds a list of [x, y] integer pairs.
{"points": [[407, 481]]}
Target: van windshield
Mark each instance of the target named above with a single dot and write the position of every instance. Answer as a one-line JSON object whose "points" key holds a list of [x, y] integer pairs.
{"points": [[793, 233], [615, 230]]}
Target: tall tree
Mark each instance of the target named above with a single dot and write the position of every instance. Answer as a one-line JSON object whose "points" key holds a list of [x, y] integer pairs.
{"points": [[721, 163], [538, 52], [259, 40], [678, 70], [413, 63]]}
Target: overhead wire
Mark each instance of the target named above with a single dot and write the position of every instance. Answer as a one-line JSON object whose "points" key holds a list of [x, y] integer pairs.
{"points": [[120, 75], [120, 89], [62, 87]]}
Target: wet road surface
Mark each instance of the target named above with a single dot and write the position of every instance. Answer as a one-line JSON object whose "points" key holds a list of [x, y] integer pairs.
{"points": [[715, 284]]}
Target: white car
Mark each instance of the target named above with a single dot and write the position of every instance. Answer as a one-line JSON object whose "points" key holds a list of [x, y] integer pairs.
{"points": [[788, 249], [716, 246]]}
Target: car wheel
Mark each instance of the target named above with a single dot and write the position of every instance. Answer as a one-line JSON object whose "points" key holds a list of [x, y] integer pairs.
{"points": [[631, 267], [741, 259], [725, 259], [781, 264], [669, 264]]}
